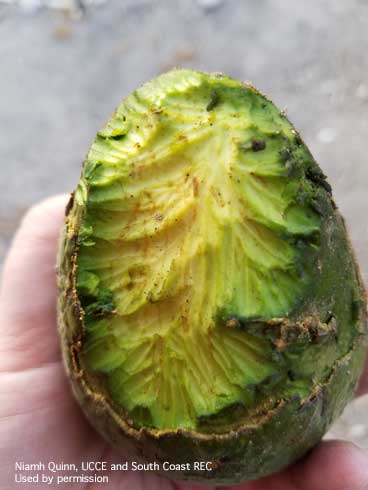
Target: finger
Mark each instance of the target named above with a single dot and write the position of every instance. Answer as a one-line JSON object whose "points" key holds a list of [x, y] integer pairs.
{"points": [[28, 289], [333, 465]]}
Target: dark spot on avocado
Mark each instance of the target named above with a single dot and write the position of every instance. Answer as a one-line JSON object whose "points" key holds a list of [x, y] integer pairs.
{"points": [[316, 175], [258, 145], [285, 154], [253, 145], [70, 204], [117, 137], [213, 101]]}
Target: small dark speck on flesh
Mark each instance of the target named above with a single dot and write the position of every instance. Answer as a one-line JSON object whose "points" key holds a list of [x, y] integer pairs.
{"points": [[253, 145], [195, 187], [213, 102], [258, 145]]}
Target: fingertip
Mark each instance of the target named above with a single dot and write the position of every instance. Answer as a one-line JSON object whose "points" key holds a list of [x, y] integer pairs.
{"points": [[35, 216], [32, 252], [333, 465], [28, 288]]}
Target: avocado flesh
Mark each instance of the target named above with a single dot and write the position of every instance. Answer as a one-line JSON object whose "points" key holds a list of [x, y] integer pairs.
{"points": [[201, 224]]}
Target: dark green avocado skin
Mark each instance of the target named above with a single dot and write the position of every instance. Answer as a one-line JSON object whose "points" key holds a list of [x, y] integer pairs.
{"points": [[328, 350]]}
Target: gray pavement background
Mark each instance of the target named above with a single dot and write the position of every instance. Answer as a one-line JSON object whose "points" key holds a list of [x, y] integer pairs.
{"points": [[64, 70]]}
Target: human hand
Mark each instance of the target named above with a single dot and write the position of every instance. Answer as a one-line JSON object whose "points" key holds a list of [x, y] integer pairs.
{"points": [[39, 419]]}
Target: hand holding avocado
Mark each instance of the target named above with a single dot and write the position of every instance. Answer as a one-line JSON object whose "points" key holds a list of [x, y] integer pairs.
{"points": [[39, 419], [211, 313]]}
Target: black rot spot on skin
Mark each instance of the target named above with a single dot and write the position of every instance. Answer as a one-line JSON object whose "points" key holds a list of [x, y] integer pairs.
{"points": [[213, 101]]}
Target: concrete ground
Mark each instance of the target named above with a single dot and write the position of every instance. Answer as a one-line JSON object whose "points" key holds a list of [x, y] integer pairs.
{"points": [[64, 69]]}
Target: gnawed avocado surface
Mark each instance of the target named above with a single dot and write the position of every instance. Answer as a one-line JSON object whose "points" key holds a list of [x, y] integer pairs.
{"points": [[210, 307], [201, 215]]}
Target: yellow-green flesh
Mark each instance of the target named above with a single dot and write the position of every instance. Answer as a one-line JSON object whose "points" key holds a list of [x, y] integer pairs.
{"points": [[194, 218]]}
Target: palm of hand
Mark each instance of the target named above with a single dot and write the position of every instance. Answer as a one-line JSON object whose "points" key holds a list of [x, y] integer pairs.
{"points": [[39, 419]]}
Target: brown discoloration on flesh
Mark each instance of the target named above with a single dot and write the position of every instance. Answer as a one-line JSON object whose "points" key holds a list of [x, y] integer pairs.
{"points": [[182, 137], [157, 110], [310, 329], [285, 332], [195, 187], [217, 196], [232, 323]]}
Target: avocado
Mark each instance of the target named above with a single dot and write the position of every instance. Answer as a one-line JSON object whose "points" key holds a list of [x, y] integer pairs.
{"points": [[210, 306]]}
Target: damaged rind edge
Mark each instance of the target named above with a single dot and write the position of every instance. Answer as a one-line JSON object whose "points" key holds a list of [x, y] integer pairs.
{"points": [[155, 444]]}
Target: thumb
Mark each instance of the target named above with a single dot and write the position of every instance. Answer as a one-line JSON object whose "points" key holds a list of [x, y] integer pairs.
{"points": [[28, 289]]}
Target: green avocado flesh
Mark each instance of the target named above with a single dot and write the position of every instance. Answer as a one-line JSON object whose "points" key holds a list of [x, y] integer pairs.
{"points": [[199, 245]]}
